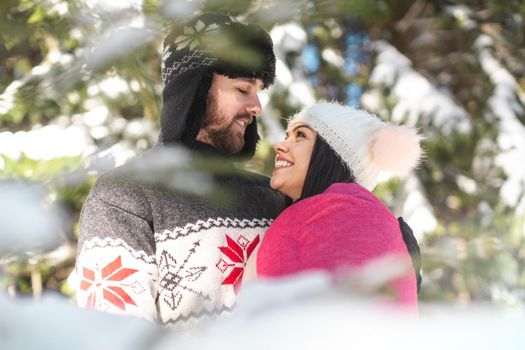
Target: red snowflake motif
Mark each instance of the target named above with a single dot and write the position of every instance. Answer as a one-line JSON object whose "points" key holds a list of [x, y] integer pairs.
{"points": [[111, 274], [237, 254]]}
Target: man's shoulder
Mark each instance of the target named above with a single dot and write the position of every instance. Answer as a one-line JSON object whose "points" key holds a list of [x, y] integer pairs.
{"points": [[256, 184], [111, 185], [252, 178], [114, 190], [127, 179]]}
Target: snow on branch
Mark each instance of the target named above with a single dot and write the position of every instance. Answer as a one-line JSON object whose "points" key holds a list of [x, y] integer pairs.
{"points": [[506, 105], [416, 100], [286, 38], [416, 209]]}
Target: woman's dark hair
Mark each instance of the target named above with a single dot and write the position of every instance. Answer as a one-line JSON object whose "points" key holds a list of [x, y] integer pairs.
{"points": [[327, 168], [413, 249]]}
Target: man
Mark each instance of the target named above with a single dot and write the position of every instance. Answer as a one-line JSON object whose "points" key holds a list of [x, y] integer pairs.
{"points": [[176, 258]]}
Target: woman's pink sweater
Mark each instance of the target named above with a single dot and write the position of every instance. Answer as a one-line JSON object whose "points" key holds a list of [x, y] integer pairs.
{"points": [[345, 226]]}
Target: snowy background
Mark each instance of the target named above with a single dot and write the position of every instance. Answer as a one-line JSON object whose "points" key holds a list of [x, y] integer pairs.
{"points": [[80, 94]]}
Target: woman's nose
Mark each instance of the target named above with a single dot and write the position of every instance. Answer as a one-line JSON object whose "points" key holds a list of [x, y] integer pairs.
{"points": [[280, 146]]}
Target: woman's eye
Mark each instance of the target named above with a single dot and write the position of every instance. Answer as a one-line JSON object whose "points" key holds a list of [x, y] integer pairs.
{"points": [[300, 134]]}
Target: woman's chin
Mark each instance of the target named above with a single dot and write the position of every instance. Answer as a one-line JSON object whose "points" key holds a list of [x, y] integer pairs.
{"points": [[273, 184], [282, 187], [276, 185]]}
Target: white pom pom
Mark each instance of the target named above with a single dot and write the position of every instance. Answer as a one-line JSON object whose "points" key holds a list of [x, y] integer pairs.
{"points": [[396, 149]]}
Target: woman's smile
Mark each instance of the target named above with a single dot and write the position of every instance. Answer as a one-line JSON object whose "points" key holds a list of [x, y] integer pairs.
{"points": [[281, 162]]}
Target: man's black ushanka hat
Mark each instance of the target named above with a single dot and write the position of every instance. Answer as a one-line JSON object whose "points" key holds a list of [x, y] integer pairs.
{"points": [[210, 43]]}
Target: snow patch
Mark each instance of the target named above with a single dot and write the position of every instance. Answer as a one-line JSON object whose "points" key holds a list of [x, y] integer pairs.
{"points": [[419, 102]]}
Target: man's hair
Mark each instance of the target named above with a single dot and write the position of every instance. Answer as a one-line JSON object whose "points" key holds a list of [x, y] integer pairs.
{"points": [[325, 168]]}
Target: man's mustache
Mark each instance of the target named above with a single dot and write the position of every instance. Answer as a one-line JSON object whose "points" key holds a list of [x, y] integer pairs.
{"points": [[245, 116]]}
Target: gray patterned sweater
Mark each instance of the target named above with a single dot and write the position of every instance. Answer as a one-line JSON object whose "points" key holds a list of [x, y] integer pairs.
{"points": [[168, 257]]}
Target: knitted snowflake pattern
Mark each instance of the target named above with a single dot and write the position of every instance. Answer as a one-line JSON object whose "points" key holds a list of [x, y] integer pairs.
{"points": [[191, 49]]}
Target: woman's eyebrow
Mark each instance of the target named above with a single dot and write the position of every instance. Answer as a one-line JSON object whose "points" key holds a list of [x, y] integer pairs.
{"points": [[301, 126]]}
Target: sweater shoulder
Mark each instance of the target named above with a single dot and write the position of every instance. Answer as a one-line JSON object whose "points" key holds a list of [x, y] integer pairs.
{"points": [[249, 189], [117, 191], [253, 179]]}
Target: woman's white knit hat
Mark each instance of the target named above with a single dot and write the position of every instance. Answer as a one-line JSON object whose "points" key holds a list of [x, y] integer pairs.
{"points": [[363, 141]]}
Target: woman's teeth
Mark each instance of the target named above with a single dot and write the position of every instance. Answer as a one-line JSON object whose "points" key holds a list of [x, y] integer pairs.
{"points": [[282, 164]]}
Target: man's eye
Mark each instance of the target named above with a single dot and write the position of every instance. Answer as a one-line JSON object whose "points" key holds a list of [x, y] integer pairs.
{"points": [[242, 91]]}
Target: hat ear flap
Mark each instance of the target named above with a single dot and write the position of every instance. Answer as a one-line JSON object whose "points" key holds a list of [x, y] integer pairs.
{"points": [[396, 149], [178, 96], [198, 110]]}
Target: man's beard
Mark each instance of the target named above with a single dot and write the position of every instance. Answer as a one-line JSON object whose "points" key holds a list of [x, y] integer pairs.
{"points": [[223, 138]]}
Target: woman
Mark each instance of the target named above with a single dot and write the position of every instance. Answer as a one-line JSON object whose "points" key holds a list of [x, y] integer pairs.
{"points": [[328, 164]]}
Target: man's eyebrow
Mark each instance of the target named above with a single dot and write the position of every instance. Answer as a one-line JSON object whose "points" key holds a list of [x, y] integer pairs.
{"points": [[252, 81], [249, 80]]}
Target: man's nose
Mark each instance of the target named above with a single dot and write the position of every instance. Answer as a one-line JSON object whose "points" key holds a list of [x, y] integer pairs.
{"points": [[254, 106]]}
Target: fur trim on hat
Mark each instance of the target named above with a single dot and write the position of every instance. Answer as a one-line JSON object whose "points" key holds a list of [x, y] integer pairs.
{"points": [[248, 52]]}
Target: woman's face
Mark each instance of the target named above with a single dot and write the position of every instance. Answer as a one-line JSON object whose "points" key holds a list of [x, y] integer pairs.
{"points": [[292, 160]]}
